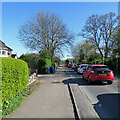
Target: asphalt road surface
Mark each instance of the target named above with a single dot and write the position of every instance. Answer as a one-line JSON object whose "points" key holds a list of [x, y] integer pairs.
{"points": [[104, 98]]}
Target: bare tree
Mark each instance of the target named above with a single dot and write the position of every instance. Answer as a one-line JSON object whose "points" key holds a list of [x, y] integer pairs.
{"points": [[99, 29], [46, 31]]}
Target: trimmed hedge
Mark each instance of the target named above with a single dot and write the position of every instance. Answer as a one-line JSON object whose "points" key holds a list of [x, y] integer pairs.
{"points": [[14, 77], [48, 63], [42, 64]]}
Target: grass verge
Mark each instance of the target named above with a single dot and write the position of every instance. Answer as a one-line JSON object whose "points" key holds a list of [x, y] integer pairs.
{"points": [[11, 105]]}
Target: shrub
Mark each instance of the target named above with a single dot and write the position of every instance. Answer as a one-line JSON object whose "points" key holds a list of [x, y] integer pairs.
{"points": [[84, 61], [16, 101], [42, 64], [14, 77], [111, 63], [31, 59], [96, 61], [48, 63]]}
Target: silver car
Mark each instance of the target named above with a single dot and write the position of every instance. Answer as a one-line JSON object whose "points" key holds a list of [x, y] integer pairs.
{"points": [[81, 68]]}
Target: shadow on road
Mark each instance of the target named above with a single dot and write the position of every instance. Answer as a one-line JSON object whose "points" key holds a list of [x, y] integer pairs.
{"points": [[108, 103], [80, 82]]}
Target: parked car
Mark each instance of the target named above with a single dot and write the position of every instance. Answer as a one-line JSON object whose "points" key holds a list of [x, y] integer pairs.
{"points": [[73, 65], [69, 65], [65, 65], [76, 66], [81, 68], [98, 73]]}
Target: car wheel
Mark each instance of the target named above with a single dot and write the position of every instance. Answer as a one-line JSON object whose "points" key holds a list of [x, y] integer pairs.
{"points": [[89, 82], [110, 83]]}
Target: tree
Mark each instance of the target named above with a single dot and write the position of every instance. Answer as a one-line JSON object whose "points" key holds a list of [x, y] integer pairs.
{"points": [[57, 60], [81, 50], [77, 52], [99, 29], [31, 59], [46, 31], [45, 54], [115, 41], [92, 57]]}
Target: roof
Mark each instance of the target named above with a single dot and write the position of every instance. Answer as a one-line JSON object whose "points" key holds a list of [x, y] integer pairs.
{"points": [[2, 44]]}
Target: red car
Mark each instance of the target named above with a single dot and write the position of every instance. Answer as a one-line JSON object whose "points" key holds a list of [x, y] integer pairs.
{"points": [[98, 73], [69, 65]]}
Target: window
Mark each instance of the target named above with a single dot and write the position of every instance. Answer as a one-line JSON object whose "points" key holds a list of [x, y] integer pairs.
{"points": [[87, 67], [3, 52], [8, 52]]}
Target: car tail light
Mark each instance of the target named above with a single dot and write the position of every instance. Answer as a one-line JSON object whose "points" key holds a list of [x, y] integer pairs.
{"points": [[111, 71], [91, 71]]}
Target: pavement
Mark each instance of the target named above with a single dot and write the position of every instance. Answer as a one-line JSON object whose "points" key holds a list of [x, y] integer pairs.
{"points": [[51, 99]]}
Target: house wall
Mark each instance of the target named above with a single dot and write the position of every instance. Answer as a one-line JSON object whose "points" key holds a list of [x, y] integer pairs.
{"points": [[4, 52]]}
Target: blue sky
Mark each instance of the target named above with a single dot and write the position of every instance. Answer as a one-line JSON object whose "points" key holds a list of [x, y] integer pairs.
{"points": [[74, 14]]}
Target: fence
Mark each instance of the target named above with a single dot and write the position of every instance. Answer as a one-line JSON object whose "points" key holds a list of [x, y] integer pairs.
{"points": [[33, 76]]}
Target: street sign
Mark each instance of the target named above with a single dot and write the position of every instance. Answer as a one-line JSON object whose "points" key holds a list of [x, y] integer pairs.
{"points": [[117, 55]]}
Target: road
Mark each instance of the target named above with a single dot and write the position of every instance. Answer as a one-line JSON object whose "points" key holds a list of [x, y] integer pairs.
{"points": [[103, 98]]}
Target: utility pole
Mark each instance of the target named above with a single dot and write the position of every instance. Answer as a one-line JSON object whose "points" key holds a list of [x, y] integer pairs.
{"points": [[103, 58], [103, 52], [117, 57]]}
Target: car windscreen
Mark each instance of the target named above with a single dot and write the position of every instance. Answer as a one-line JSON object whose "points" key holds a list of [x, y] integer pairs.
{"points": [[83, 66], [100, 68]]}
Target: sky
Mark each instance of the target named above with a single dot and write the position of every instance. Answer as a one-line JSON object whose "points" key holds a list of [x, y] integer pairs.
{"points": [[74, 14]]}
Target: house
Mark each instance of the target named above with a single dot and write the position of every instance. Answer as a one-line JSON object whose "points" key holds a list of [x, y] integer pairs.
{"points": [[6, 51]]}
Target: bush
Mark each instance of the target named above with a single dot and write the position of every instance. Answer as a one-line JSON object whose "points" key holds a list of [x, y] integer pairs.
{"points": [[48, 63], [29, 71], [12, 104], [31, 59], [42, 64], [14, 77], [84, 61], [96, 61], [112, 63]]}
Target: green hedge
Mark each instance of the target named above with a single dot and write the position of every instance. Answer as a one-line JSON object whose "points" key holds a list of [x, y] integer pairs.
{"points": [[42, 64], [14, 77], [48, 63]]}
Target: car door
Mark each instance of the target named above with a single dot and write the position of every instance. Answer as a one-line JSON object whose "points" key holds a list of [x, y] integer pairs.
{"points": [[87, 71]]}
